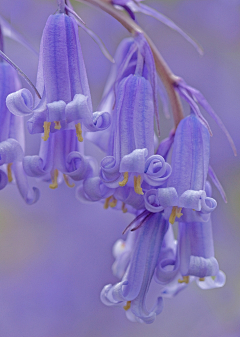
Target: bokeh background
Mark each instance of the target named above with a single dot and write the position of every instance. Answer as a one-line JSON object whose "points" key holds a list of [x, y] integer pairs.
{"points": [[55, 256]]}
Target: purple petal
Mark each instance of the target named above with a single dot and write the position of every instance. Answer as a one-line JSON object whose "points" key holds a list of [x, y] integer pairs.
{"points": [[10, 151]]}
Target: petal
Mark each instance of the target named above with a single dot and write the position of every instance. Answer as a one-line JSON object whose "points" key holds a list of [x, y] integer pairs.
{"points": [[79, 166], [134, 161], [93, 189], [109, 172], [157, 171], [213, 282], [29, 195], [78, 109], [10, 151], [190, 158], [20, 103], [56, 111]]}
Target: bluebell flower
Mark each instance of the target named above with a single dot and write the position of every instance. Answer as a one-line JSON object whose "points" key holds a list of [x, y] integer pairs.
{"points": [[185, 197], [192, 259], [62, 83], [132, 290], [131, 158], [12, 139]]}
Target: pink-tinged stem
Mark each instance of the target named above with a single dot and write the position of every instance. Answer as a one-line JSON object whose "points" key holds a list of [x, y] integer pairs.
{"points": [[165, 73]]}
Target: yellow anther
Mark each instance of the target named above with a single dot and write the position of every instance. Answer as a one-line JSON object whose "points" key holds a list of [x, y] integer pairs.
{"points": [[124, 209], [137, 185], [65, 177], [113, 203], [54, 180], [46, 126], [79, 132], [176, 212], [9, 172], [106, 204], [184, 280], [127, 306], [125, 180], [57, 125], [201, 278], [213, 277]]}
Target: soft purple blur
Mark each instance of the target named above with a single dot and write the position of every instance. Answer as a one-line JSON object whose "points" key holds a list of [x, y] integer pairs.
{"points": [[55, 256]]}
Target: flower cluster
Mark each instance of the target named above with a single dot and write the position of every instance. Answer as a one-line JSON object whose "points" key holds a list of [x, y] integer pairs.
{"points": [[136, 173]]}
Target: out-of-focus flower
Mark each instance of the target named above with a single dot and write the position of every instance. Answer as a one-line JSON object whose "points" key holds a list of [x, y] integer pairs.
{"points": [[12, 140], [131, 291]]}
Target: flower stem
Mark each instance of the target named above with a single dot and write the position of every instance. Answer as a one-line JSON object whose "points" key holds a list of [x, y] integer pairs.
{"points": [[61, 6], [165, 73]]}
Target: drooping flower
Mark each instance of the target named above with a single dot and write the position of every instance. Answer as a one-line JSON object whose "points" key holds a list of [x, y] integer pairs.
{"points": [[12, 139], [131, 158], [185, 197], [132, 290], [62, 83]]}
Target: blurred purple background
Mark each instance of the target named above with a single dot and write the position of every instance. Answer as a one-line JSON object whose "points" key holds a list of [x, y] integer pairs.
{"points": [[55, 256]]}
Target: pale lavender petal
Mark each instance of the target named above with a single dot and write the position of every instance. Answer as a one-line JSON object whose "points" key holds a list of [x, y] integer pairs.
{"points": [[190, 158], [10, 151], [134, 161], [30, 195], [213, 282], [157, 171], [20, 103]]}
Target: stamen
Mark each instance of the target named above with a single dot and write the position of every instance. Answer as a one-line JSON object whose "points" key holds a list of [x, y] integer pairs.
{"points": [[9, 172], [124, 209], [201, 278], [57, 125], [106, 204], [125, 180], [65, 177], [184, 280], [113, 203], [137, 185], [46, 126], [79, 132], [54, 180], [176, 212], [127, 306]]}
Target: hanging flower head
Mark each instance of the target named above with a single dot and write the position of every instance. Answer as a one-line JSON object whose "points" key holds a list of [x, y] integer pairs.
{"points": [[62, 83]]}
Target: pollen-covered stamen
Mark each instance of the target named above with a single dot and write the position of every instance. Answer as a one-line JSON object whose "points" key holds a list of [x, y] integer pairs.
{"points": [[65, 177], [79, 132], [127, 306], [184, 280], [9, 172], [137, 185], [176, 213], [113, 203], [106, 204], [124, 209], [125, 180], [201, 279], [57, 125], [46, 126], [54, 180]]}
